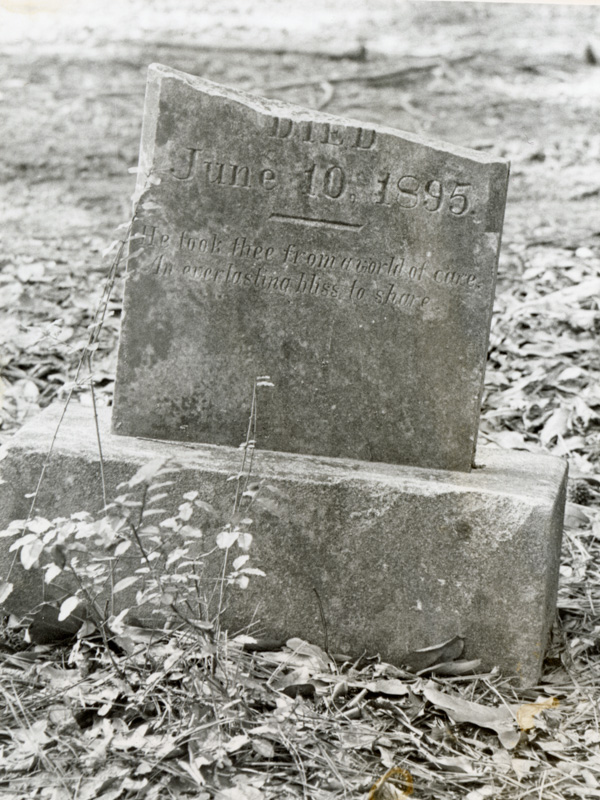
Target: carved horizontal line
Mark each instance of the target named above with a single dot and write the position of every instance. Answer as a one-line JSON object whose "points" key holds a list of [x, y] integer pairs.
{"points": [[316, 223]]}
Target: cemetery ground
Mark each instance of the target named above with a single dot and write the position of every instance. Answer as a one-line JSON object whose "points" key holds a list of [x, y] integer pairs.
{"points": [[124, 712]]}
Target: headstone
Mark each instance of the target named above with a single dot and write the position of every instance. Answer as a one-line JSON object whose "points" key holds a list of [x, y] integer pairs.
{"points": [[353, 264]]}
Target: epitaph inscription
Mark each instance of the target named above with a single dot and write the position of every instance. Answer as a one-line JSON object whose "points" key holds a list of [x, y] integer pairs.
{"points": [[353, 264]]}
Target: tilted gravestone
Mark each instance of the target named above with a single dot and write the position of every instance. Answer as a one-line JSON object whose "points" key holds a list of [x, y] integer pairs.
{"points": [[353, 264]]}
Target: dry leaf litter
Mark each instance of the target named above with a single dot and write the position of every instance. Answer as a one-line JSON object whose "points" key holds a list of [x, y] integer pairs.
{"points": [[163, 714]]}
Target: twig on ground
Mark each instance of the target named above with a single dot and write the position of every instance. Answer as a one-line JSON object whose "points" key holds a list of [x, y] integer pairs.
{"points": [[380, 78]]}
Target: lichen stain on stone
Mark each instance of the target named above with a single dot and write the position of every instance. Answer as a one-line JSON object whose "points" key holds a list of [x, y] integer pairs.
{"points": [[463, 530], [190, 415], [150, 337]]}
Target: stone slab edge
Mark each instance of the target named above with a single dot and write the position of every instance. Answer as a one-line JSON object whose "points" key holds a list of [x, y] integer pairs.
{"points": [[521, 488]]}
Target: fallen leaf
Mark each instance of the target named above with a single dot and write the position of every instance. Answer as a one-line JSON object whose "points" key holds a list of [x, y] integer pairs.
{"points": [[502, 760], [30, 272], [577, 516], [449, 650], [388, 686], [591, 736], [236, 743], [309, 655], [456, 763], [565, 296], [589, 778], [526, 713], [523, 766], [481, 793], [239, 793], [453, 668], [263, 747], [496, 718], [396, 783], [508, 440], [556, 425], [306, 690], [552, 747]]}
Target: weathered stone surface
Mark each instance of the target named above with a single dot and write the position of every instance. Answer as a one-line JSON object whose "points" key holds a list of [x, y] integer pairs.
{"points": [[401, 557], [353, 264]]}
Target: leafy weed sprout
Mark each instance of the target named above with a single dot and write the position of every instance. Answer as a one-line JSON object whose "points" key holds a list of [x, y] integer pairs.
{"points": [[132, 545]]}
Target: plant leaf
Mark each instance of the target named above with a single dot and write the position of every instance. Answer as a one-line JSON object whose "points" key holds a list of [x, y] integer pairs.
{"points": [[497, 718], [5, 590], [526, 713], [147, 472], [449, 650], [226, 538], [122, 547], [124, 583], [38, 525], [52, 572], [67, 607], [244, 541], [30, 553], [391, 686]]}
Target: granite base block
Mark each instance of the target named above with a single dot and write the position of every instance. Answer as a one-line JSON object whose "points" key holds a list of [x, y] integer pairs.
{"points": [[401, 558]]}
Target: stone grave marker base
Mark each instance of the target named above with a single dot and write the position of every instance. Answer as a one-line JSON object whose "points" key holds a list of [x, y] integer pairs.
{"points": [[401, 558]]}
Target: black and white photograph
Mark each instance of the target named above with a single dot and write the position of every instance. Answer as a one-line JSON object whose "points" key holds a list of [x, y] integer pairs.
{"points": [[299, 400]]}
